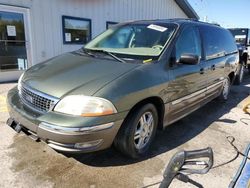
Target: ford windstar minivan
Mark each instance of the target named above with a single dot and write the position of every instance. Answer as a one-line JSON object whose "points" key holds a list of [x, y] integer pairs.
{"points": [[125, 84]]}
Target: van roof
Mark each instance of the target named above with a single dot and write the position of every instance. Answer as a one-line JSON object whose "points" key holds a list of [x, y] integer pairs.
{"points": [[178, 21]]}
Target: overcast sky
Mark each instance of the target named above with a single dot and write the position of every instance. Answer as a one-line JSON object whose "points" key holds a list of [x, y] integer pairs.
{"points": [[228, 13]]}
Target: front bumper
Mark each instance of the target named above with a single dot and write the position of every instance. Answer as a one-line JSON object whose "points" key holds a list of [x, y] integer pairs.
{"points": [[71, 138]]}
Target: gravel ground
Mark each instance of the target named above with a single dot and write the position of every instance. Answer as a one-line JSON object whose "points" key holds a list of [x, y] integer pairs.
{"points": [[25, 163]]}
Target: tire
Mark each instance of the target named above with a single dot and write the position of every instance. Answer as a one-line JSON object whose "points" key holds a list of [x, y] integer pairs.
{"points": [[134, 144], [239, 77], [225, 90]]}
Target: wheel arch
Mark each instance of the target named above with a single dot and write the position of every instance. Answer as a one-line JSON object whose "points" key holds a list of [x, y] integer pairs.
{"points": [[159, 105]]}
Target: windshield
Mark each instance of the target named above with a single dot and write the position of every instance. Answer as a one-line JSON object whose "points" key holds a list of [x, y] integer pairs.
{"points": [[240, 35], [134, 39]]}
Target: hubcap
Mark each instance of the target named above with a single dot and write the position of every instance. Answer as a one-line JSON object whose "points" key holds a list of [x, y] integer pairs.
{"points": [[226, 89], [144, 130]]}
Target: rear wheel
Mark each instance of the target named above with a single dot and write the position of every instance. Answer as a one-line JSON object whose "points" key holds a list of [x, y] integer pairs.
{"points": [[137, 132], [240, 74], [225, 90]]}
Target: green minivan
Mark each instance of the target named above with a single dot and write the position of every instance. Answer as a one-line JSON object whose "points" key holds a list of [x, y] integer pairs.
{"points": [[125, 84]]}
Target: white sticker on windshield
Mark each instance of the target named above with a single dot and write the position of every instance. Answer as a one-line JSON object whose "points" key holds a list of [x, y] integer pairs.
{"points": [[240, 36], [157, 28]]}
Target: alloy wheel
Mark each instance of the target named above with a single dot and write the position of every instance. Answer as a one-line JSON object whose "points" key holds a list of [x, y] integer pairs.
{"points": [[144, 130]]}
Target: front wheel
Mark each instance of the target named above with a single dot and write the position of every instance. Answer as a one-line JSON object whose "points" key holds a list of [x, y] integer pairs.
{"points": [[137, 132]]}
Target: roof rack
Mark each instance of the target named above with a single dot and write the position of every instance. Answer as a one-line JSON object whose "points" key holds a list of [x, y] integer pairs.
{"points": [[190, 19]]}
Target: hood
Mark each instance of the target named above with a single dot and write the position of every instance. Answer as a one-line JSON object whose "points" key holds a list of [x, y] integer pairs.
{"points": [[76, 73]]}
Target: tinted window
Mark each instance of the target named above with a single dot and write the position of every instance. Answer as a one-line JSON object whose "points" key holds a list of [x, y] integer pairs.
{"points": [[228, 42], [188, 43], [217, 42]]}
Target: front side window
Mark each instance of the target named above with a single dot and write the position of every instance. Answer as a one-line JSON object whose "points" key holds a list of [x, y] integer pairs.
{"points": [[76, 30], [188, 43], [134, 39]]}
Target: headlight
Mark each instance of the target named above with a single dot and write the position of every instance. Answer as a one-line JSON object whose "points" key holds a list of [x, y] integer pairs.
{"points": [[86, 106], [20, 82]]}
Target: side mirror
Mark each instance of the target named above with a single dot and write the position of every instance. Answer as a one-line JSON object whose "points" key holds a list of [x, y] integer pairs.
{"points": [[189, 59]]}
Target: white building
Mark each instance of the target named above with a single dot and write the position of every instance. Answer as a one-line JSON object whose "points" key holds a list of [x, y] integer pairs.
{"points": [[32, 31]]}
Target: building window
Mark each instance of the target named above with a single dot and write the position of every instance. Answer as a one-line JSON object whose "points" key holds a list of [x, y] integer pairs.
{"points": [[76, 30], [110, 24]]}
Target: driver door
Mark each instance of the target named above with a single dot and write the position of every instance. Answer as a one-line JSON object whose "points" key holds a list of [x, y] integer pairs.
{"points": [[188, 82]]}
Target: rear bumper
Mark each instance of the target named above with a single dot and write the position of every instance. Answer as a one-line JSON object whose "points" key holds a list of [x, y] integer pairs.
{"points": [[67, 139]]}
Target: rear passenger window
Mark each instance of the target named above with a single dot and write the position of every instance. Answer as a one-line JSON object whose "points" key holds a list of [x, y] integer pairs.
{"points": [[229, 42], [217, 42], [188, 43]]}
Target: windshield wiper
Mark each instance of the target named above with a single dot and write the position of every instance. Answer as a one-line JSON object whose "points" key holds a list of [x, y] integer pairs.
{"points": [[86, 52], [108, 53]]}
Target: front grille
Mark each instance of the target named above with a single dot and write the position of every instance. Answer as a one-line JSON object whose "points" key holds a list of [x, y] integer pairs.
{"points": [[39, 101]]}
